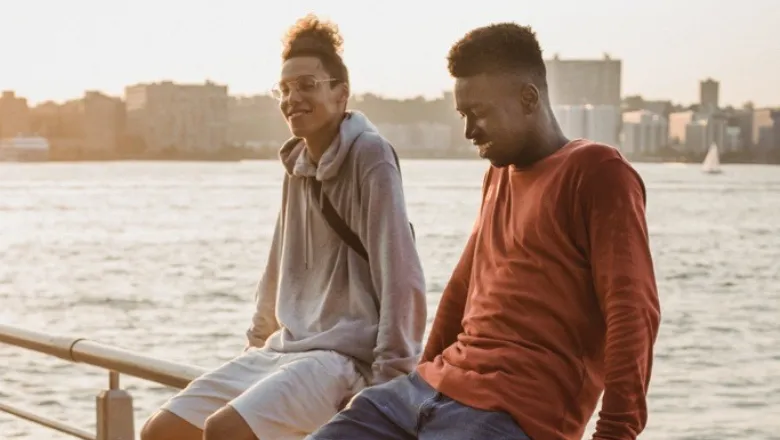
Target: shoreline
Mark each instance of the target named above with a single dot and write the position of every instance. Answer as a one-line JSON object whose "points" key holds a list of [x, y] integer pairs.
{"points": [[241, 154], [679, 160]]}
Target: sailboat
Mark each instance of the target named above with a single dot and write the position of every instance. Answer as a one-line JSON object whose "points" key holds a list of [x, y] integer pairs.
{"points": [[711, 163]]}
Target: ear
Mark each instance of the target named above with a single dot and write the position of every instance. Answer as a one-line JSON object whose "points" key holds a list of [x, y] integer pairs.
{"points": [[343, 93], [530, 97]]}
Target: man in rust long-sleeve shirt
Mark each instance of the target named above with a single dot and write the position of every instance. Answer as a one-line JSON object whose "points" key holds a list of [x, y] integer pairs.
{"points": [[554, 299]]}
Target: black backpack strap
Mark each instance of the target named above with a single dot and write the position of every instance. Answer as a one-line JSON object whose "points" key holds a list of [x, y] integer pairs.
{"points": [[336, 222], [397, 162]]}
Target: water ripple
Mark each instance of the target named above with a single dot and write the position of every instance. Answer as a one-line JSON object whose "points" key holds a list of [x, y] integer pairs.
{"points": [[163, 258]]}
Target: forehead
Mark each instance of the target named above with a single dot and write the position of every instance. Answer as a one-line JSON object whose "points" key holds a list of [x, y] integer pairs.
{"points": [[301, 66], [480, 90]]}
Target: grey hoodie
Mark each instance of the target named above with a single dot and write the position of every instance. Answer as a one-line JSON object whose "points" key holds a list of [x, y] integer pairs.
{"points": [[317, 293]]}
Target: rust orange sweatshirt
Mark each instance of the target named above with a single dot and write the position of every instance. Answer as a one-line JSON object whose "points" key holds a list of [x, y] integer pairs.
{"points": [[554, 299]]}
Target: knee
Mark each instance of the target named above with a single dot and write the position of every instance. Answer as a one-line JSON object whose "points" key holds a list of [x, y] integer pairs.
{"points": [[156, 428], [227, 424], [164, 425], [214, 429]]}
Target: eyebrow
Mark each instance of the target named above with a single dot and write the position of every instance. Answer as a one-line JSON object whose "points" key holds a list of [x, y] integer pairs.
{"points": [[297, 77], [469, 107]]}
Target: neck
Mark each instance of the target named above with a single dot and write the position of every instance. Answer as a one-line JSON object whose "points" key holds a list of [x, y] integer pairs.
{"points": [[319, 142], [547, 139], [551, 135], [551, 139]]}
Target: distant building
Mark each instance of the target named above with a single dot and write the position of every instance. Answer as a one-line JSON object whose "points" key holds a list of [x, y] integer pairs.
{"points": [[425, 139], [603, 123], [763, 126], [14, 115], [186, 117], [694, 132], [433, 136], [599, 123], [104, 122], [696, 136], [776, 131], [579, 82], [571, 118], [45, 119], [743, 119], [733, 140], [678, 122], [93, 124], [660, 107], [644, 132], [255, 120], [709, 95], [703, 132]]}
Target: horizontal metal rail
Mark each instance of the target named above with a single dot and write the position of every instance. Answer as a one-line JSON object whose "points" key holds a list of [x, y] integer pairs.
{"points": [[47, 422], [100, 355], [114, 406]]}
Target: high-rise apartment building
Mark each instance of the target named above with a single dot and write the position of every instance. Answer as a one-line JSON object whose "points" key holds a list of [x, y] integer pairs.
{"points": [[709, 90], [579, 82]]}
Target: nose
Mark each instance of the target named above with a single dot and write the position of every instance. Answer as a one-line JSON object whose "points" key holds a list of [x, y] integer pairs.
{"points": [[294, 96], [291, 98], [470, 129]]}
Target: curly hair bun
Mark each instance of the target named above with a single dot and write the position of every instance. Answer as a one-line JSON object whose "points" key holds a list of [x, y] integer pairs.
{"points": [[312, 35]]}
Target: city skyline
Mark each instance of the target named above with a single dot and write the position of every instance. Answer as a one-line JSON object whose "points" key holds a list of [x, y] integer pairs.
{"points": [[180, 121], [623, 97], [105, 47]]}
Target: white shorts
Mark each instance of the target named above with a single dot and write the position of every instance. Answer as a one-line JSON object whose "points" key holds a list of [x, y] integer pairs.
{"points": [[281, 396]]}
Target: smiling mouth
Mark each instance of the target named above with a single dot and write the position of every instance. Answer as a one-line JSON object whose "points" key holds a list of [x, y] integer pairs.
{"points": [[297, 113]]}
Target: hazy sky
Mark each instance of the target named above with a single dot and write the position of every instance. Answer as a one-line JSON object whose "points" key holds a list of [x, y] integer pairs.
{"points": [[56, 49]]}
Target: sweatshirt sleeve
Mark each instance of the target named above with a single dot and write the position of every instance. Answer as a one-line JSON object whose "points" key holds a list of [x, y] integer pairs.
{"points": [[264, 321], [448, 323], [624, 281], [449, 315], [396, 273]]}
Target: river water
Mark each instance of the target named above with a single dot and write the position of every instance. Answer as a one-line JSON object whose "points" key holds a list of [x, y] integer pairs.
{"points": [[162, 258]]}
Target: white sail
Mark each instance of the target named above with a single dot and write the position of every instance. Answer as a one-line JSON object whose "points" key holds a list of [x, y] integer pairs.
{"points": [[711, 163]]}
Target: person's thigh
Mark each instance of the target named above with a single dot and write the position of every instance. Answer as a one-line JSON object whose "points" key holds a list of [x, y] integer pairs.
{"points": [[384, 412], [447, 419], [302, 394], [208, 393]]}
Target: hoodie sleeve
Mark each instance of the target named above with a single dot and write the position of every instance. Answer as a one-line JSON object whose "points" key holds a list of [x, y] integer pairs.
{"points": [[396, 273], [264, 321]]}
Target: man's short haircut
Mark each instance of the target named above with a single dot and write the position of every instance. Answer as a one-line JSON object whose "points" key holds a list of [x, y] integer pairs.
{"points": [[501, 48]]}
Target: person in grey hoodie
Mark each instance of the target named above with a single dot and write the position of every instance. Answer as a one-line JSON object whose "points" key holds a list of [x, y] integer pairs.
{"points": [[332, 317]]}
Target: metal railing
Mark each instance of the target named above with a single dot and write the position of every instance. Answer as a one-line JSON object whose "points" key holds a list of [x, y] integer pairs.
{"points": [[114, 406]]}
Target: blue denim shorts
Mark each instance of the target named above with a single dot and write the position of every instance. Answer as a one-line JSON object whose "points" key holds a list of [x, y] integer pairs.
{"points": [[407, 408]]}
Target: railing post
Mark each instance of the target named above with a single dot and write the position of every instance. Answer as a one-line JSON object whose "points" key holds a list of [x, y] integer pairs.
{"points": [[114, 412]]}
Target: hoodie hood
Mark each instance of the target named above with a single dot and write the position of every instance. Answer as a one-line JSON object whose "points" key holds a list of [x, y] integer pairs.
{"points": [[295, 158]]}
